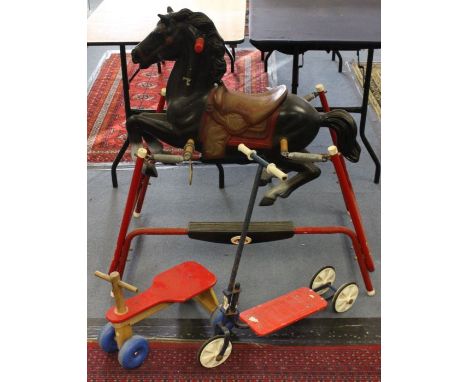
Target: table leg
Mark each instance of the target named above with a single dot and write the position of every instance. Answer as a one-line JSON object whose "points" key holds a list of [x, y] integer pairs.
{"points": [[125, 84], [231, 57], [362, 124], [265, 61], [340, 60], [128, 112], [295, 72], [116, 162]]}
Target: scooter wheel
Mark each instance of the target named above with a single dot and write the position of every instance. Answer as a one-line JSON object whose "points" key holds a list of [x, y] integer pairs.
{"points": [[345, 297], [106, 339], [133, 352], [210, 349], [323, 276]]}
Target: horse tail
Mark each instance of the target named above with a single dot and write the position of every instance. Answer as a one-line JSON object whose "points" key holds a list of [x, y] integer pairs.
{"points": [[343, 124]]}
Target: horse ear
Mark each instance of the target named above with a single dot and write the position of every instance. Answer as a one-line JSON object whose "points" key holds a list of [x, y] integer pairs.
{"points": [[170, 10], [164, 18]]}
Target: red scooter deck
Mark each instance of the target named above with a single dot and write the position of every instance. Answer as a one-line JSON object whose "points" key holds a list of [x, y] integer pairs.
{"points": [[282, 311], [177, 284]]}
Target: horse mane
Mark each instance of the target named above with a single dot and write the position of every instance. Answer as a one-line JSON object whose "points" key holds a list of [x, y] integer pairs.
{"points": [[214, 44]]}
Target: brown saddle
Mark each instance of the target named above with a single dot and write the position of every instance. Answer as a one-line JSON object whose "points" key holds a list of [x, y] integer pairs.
{"points": [[232, 117]]}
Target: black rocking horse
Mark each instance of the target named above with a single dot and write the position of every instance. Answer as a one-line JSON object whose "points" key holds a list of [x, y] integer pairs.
{"points": [[200, 107]]}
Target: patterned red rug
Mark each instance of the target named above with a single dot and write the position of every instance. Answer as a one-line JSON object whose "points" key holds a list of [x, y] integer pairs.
{"points": [[106, 115], [169, 361]]}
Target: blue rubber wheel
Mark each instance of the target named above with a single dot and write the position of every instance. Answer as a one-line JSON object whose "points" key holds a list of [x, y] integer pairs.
{"points": [[106, 339], [133, 352]]}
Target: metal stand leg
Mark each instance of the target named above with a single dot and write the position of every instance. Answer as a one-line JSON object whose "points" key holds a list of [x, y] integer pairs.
{"points": [[362, 124], [125, 85], [159, 67], [233, 51], [141, 195], [220, 175], [295, 73], [116, 162], [135, 187], [231, 57], [340, 60], [128, 113], [265, 61]]}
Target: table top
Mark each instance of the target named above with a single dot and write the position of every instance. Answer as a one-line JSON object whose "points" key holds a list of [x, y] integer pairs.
{"points": [[116, 22], [314, 24]]}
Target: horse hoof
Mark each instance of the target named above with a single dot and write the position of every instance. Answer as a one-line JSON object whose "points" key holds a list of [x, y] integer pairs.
{"points": [[284, 195], [150, 170], [266, 201]]}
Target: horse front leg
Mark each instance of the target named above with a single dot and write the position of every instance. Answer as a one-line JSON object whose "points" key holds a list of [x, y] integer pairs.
{"points": [[148, 127], [305, 173]]}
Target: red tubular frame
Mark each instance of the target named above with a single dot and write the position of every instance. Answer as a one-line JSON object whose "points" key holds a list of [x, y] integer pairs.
{"points": [[135, 186], [142, 193], [356, 246], [347, 191], [139, 185]]}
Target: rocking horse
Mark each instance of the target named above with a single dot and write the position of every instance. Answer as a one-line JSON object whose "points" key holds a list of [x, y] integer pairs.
{"points": [[201, 108]]}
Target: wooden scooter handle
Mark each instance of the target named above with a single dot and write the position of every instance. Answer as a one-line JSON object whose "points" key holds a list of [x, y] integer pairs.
{"points": [[121, 283]]}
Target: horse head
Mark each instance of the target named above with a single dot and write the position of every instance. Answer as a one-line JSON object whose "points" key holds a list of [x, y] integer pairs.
{"points": [[179, 34]]}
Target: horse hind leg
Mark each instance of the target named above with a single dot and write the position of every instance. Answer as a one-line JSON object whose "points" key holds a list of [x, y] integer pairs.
{"points": [[306, 172]]}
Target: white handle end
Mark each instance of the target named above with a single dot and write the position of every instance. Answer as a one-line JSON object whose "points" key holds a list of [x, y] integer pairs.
{"points": [[142, 153], [319, 88], [332, 150], [163, 92], [275, 171], [245, 150]]}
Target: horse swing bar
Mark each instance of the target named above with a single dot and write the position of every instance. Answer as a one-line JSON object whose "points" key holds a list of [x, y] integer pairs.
{"points": [[228, 232]]}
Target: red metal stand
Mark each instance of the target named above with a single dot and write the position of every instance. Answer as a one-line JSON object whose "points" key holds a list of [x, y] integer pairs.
{"points": [[139, 185], [347, 189]]}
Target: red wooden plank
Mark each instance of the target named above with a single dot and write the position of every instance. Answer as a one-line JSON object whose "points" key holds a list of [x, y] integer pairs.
{"points": [[282, 311], [177, 284]]}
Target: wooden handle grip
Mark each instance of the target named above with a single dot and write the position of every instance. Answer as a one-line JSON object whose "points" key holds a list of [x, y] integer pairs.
{"points": [[129, 287], [121, 283], [102, 275]]}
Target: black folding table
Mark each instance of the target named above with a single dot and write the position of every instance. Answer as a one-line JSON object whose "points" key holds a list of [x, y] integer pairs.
{"points": [[296, 26]]}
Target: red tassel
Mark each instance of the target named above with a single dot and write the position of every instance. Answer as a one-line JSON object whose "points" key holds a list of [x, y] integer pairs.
{"points": [[199, 45]]}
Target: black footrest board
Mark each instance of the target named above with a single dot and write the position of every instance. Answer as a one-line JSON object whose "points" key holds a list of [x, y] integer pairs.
{"points": [[222, 232]]}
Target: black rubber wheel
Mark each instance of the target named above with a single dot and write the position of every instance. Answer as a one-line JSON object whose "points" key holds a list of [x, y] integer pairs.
{"points": [[325, 275], [345, 297]]}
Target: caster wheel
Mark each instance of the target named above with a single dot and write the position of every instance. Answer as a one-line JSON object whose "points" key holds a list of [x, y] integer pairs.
{"points": [[106, 339], [133, 352], [210, 349], [323, 276], [345, 297]]}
